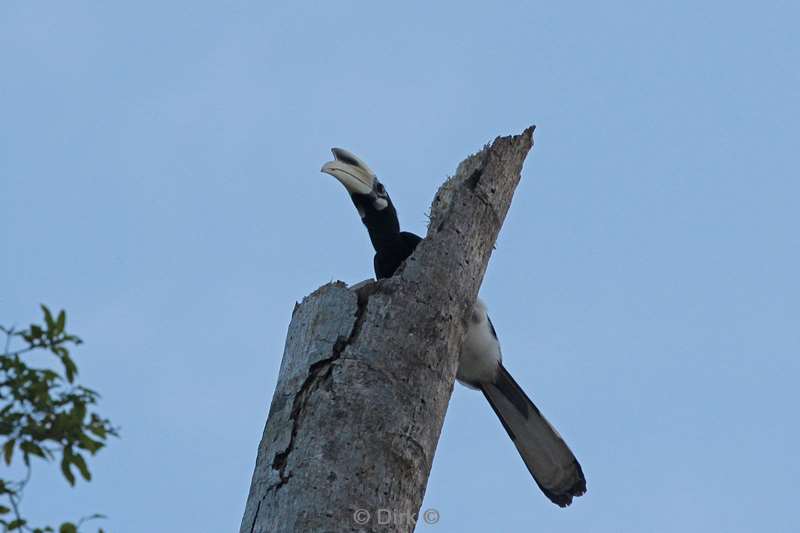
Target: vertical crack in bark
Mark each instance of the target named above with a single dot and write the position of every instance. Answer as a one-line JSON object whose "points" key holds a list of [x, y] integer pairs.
{"points": [[318, 373], [255, 516]]}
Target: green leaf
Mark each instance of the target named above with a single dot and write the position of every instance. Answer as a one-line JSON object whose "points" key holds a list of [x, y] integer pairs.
{"points": [[88, 444], [48, 317], [69, 367], [78, 411], [33, 449], [73, 339], [36, 332], [17, 524], [78, 461], [68, 527], [65, 462], [8, 451], [61, 321], [4, 509], [98, 430]]}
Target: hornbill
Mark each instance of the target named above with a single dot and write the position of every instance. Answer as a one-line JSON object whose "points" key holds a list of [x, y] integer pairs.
{"points": [[548, 458]]}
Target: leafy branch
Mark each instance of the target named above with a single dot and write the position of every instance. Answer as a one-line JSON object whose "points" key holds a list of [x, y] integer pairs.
{"points": [[45, 415]]}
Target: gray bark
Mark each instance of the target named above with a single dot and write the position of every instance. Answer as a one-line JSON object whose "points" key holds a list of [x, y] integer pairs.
{"points": [[367, 374]]}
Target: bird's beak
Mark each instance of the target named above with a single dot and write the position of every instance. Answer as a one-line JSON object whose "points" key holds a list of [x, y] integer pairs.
{"points": [[351, 172]]}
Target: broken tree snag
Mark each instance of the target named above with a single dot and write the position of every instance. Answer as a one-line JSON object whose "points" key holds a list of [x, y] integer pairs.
{"points": [[367, 374]]}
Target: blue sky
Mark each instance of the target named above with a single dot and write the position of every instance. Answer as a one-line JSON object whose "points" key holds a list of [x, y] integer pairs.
{"points": [[159, 176]]}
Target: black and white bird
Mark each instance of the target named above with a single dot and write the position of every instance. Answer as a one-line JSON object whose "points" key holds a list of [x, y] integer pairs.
{"points": [[548, 458]]}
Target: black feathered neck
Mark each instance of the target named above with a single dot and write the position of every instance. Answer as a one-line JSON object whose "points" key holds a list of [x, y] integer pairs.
{"points": [[382, 225], [391, 245]]}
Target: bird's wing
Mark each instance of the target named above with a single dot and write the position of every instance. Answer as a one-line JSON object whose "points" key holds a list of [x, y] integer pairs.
{"points": [[548, 458]]}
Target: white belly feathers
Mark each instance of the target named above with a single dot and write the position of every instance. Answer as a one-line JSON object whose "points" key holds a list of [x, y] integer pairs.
{"points": [[481, 350]]}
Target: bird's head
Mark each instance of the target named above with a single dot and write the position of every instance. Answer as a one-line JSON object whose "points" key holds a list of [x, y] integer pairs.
{"points": [[368, 194]]}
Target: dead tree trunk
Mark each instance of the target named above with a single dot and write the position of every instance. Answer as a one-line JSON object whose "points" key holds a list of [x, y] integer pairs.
{"points": [[366, 375]]}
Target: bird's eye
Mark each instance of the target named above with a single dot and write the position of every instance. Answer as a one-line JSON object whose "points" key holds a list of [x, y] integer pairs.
{"points": [[379, 188]]}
